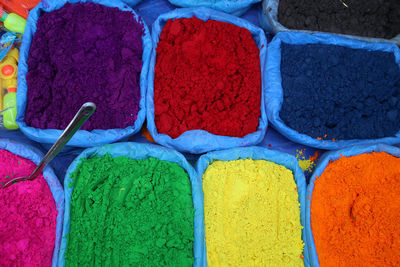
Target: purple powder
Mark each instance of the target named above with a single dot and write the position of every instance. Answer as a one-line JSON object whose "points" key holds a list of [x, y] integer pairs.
{"points": [[84, 52]]}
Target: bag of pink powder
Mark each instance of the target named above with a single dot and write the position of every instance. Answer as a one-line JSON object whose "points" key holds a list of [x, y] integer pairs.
{"points": [[32, 212]]}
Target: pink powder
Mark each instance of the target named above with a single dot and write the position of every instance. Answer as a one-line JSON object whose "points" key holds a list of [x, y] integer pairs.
{"points": [[27, 216]]}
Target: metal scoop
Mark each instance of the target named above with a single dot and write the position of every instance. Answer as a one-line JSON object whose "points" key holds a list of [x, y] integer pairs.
{"points": [[80, 118]]}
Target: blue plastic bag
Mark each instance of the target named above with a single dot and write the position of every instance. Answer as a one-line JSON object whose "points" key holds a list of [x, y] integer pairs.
{"points": [[131, 3], [6, 42], [322, 164], [234, 7], [200, 141], [274, 90], [259, 153], [269, 21], [82, 138], [34, 155], [140, 151]]}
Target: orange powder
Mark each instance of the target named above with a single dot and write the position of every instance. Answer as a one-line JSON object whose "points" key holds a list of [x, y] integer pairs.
{"points": [[355, 211]]}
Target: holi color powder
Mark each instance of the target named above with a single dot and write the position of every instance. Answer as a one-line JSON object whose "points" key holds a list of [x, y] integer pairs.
{"points": [[84, 52], [127, 212], [370, 18], [334, 92], [207, 77], [355, 211], [27, 215], [252, 214]]}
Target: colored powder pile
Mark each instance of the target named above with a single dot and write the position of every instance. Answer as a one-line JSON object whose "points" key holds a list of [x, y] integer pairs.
{"points": [[334, 92], [307, 165], [79, 53], [207, 77], [355, 211], [372, 18], [252, 214], [127, 212], [28, 215]]}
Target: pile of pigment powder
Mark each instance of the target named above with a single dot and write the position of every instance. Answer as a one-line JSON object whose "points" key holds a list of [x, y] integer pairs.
{"points": [[79, 53], [334, 92], [355, 211], [252, 214], [131, 213], [207, 77], [28, 215], [371, 18]]}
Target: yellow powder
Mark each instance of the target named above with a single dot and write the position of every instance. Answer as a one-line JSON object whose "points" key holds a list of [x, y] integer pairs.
{"points": [[306, 164], [252, 214]]}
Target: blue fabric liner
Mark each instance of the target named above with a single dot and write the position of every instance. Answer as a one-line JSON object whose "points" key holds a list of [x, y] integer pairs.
{"points": [[258, 153], [82, 138], [323, 163], [30, 153], [200, 141], [274, 90], [269, 21], [140, 151], [131, 3], [237, 8]]}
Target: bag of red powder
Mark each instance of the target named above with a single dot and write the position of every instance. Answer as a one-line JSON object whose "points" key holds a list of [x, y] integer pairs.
{"points": [[82, 138], [236, 8], [30, 153], [216, 90]]}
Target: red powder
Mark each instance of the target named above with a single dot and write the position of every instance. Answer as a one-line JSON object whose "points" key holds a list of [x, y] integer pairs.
{"points": [[207, 76], [27, 217]]}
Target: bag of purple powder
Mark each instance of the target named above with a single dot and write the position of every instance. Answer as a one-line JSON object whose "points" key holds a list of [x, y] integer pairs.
{"points": [[79, 51]]}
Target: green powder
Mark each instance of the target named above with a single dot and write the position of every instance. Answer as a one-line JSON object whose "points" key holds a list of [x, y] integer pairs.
{"points": [[127, 212]]}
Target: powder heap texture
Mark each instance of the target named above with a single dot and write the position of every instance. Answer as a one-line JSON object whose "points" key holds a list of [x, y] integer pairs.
{"points": [[207, 77], [79, 53], [127, 212], [372, 18], [252, 214], [355, 211], [334, 92], [27, 217]]}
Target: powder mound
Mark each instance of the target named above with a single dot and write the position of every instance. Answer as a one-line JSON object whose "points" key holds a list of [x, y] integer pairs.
{"points": [[28, 216], [84, 52], [371, 18], [207, 77], [334, 92], [355, 211], [127, 212], [252, 214]]}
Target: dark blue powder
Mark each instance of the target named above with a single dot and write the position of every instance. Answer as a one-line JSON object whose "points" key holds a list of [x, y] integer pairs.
{"points": [[334, 92]]}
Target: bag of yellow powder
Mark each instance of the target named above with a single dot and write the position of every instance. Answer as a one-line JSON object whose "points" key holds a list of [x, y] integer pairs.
{"points": [[254, 208]]}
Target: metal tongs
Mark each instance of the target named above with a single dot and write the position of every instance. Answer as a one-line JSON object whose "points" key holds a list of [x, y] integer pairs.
{"points": [[80, 118]]}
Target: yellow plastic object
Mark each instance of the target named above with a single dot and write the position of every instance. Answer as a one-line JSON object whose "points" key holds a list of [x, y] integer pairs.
{"points": [[1, 94], [10, 101], [9, 66], [8, 76], [12, 21], [14, 53]]}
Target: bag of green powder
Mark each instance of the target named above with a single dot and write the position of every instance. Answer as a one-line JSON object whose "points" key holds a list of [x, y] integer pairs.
{"points": [[139, 159]]}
